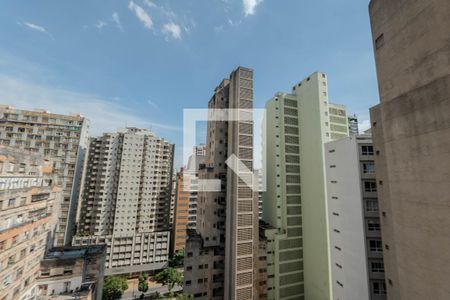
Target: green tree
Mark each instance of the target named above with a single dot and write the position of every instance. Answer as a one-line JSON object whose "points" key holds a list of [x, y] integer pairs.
{"points": [[114, 287], [143, 284], [169, 277], [177, 259]]}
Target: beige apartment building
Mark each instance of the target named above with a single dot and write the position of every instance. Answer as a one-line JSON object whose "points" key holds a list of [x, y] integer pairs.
{"points": [[222, 253], [29, 200], [186, 198], [126, 200], [411, 135], [181, 214], [62, 138]]}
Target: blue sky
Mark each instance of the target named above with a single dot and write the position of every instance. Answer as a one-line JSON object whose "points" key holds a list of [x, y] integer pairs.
{"points": [[140, 62]]}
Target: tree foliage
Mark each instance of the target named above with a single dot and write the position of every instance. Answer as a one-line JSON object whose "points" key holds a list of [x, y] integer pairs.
{"points": [[143, 283], [169, 277], [177, 259], [114, 287]]}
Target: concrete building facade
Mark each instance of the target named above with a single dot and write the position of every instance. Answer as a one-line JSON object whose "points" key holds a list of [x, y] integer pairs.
{"points": [[76, 272], [126, 200], [62, 138], [297, 126], [339, 121], [191, 173], [221, 253], [411, 135], [353, 126], [356, 252], [179, 232], [29, 202], [186, 198]]}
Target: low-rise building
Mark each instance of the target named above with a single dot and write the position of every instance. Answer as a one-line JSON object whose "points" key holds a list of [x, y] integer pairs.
{"points": [[72, 272]]}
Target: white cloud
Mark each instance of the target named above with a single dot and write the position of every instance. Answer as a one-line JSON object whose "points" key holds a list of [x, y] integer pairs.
{"points": [[363, 125], [150, 3], [250, 6], [218, 28], [105, 116], [100, 24], [153, 104], [173, 30], [36, 28], [141, 14], [116, 20]]}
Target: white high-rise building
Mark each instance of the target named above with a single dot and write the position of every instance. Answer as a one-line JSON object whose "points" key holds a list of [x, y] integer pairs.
{"points": [[356, 251], [126, 200], [295, 203]]}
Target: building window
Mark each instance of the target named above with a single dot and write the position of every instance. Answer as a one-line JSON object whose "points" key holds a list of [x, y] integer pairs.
{"points": [[373, 225], [12, 202], [375, 246], [377, 267], [372, 205], [369, 168], [370, 186], [367, 150], [379, 288], [379, 41]]}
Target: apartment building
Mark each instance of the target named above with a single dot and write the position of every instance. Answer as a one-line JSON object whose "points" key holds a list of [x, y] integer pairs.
{"points": [[29, 202], [221, 253], [186, 200], [353, 126], [76, 272], [339, 121], [411, 136], [179, 233], [64, 139], [297, 126], [191, 173], [173, 196], [126, 200], [356, 251]]}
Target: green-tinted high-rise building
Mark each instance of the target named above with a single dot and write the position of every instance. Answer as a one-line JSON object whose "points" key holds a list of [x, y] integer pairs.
{"points": [[297, 126]]}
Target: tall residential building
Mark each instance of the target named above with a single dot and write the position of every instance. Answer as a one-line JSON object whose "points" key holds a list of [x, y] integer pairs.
{"points": [[185, 211], [297, 126], [221, 254], [191, 173], [353, 126], [181, 214], [63, 138], [126, 200], [411, 136], [356, 251], [173, 196], [29, 203]]}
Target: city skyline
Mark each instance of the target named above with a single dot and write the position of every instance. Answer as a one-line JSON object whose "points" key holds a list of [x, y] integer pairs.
{"points": [[224, 150], [131, 75]]}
